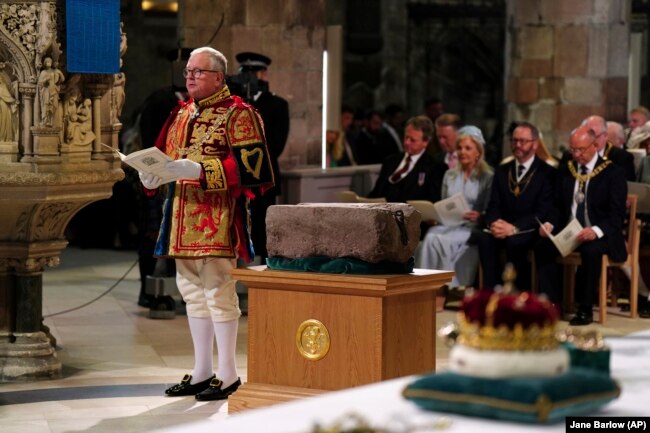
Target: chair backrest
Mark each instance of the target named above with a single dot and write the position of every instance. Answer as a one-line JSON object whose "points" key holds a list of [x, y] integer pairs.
{"points": [[371, 200], [346, 197], [632, 224], [352, 197]]}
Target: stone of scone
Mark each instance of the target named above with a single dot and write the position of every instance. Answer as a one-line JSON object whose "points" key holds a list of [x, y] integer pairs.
{"points": [[365, 231]]}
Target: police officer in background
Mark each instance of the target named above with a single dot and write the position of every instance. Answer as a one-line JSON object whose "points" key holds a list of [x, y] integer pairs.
{"points": [[275, 115]]}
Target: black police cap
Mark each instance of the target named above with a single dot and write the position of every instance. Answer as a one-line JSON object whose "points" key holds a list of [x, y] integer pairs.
{"points": [[253, 61]]}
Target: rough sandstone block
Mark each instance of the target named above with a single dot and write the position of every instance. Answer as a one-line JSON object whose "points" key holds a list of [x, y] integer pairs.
{"points": [[365, 231]]}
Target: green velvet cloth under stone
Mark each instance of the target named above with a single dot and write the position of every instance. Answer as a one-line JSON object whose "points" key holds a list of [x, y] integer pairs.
{"points": [[343, 265], [524, 399]]}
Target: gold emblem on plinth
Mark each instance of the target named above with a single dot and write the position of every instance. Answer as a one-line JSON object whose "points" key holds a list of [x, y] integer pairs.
{"points": [[312, 339]]}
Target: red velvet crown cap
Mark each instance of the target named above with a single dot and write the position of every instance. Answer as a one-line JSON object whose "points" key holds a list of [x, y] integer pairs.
{"points": [[489, 308]]}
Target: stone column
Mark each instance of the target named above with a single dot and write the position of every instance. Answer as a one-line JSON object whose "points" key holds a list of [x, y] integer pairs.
{"points": [[97, 123], [27, 91], [566, 61], [26, 351], [97, 91]]}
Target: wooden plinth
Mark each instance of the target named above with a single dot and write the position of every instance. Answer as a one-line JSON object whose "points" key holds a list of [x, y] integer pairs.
{"points": [[380, 327]]}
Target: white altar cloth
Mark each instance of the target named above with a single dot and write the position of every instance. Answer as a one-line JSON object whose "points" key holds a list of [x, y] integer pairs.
{"points": [[381, 402]]}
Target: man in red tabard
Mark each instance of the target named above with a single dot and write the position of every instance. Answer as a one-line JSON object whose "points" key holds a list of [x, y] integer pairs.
{"points": [[221, 162]]}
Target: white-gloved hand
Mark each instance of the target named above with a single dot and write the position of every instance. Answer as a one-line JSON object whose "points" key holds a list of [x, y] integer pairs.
{"points": [[150, 180], [184, 169]]}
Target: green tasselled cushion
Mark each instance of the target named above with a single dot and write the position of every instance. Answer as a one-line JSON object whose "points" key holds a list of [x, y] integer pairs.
{"points": [[529, 400], [343, 265]]}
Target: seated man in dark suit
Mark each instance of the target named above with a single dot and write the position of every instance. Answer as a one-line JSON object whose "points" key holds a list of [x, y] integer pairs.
{"points": [[447, 126], [522, 190], [605, 149], [593, 190], [412, 174]]}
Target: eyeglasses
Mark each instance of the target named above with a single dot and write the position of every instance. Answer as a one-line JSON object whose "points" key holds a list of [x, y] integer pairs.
{"points": [[196, 72], [516, 141], [578, 150]]}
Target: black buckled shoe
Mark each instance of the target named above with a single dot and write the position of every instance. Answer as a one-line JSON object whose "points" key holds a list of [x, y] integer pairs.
{"points": [[215, 392], [582, 318], [187, 388]]}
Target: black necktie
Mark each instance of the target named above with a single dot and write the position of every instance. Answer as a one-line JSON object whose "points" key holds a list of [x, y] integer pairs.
{"points": [[398, 174], [520, 171], [580, 209]]}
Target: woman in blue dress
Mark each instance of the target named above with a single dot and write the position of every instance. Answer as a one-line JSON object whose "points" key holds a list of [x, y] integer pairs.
{"points": [[446, 247]]}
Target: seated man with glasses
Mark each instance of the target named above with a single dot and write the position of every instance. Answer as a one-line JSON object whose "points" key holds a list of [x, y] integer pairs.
{"points": [[522, 190], [593, 190], [221, 161], [605, 149]]}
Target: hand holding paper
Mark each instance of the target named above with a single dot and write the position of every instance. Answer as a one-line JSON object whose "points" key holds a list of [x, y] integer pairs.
{"points": [[150, 180], [450, 211], [545, 229], [184, 169], [472, 215], [567, 240], [586, 234]]}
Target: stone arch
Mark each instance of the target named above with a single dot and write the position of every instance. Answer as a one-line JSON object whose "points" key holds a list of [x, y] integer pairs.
{"points": [[12, 51]]}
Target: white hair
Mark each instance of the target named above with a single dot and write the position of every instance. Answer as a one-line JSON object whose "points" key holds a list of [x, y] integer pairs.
{"points": [[217, 59]]}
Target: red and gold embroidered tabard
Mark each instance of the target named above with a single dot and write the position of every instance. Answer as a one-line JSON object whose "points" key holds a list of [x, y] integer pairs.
{"points": [[208, 217]]}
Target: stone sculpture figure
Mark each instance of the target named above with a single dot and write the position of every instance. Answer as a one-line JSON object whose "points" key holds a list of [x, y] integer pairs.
{"points": [[49, 84], [79, 129], [123, 43], [7, 110], [117, 96]]}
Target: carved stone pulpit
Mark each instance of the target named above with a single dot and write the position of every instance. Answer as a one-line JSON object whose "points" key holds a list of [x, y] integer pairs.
{"points": [[52, 164]]}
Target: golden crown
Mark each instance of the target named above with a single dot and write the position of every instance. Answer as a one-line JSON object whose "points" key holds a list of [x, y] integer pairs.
{"points": [[490, 320]]}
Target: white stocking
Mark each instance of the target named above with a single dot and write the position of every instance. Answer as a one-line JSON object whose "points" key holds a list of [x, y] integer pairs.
{"points": [[226, 336], [202, 339]]}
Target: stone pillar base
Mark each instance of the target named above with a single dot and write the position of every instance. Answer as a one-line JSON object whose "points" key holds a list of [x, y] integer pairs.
{"points": [[110, 137], [75, 153], [8, 151], [46, 144], [30, 357]]}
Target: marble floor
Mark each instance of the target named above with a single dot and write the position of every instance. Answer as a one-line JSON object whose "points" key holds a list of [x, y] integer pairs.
{"points": [[117, 361]]}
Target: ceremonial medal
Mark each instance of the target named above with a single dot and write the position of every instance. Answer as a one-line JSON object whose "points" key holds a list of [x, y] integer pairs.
{"points": [[518, 188], [580, 197]]}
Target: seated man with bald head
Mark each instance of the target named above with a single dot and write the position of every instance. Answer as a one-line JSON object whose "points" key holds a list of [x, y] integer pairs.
{"points": [[605, 149], [593, 190]]}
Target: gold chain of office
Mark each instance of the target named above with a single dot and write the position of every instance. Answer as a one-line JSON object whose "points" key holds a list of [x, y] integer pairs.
{"points": [[218, 121], [582, 178], [518, 187]]}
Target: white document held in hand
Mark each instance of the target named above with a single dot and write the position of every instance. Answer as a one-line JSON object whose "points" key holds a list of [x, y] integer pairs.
{"points": [[566, 240], [448, 212], [149, 160]]}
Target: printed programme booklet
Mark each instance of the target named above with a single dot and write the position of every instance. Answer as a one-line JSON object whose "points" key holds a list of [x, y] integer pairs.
{"points": [[149, 160], [448, 212], [565, 241]]}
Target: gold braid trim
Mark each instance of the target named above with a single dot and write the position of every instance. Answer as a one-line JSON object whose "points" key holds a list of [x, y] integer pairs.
{"points": [[221, 94], [582, 178], [542, 407], [217, 122], [488, 337], [215, 176]]}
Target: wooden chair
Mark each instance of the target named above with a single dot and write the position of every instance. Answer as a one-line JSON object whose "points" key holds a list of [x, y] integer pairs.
{"points": [[352, 197], [572, 261]]}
